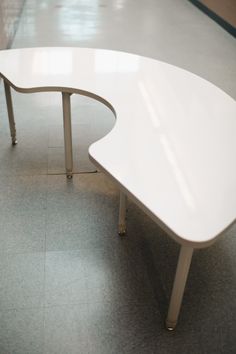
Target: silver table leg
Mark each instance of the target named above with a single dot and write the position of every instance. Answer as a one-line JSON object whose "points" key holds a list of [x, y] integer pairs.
{"points": [[181, 275], [122, 214], [67, 133], [10, 112]]}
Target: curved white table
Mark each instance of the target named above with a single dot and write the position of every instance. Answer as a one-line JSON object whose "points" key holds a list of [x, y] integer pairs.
{"points": [[172, 149]]}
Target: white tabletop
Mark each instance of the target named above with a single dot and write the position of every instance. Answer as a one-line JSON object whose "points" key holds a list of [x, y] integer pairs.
{"points": [[173, 147]]}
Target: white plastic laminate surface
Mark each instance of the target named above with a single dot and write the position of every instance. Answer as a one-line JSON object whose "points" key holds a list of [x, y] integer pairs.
{"points": [[173, 146]]}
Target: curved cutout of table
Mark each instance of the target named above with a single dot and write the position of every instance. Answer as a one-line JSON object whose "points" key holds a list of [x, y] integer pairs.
{"points": [[172, 149]]}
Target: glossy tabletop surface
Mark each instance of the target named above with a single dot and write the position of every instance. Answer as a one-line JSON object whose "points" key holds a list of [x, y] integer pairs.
{"points": [[173, 145]]}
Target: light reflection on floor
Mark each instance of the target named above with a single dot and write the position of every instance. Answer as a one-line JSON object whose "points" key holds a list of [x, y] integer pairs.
{"points": [[9, 17]]}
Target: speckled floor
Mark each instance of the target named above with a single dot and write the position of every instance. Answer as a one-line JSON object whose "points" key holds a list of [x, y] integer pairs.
{"points": [[68, 283]]}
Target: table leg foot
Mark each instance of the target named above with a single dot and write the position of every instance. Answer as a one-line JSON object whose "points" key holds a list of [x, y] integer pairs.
{"points": [[170, 326], [121, 229], [14, 141]]}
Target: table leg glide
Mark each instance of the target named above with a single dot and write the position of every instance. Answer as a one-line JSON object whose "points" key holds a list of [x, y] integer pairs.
{"points": [[122, 229], [14, 141]]}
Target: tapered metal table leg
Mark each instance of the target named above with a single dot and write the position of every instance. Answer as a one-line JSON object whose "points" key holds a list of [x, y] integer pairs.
{"points": [[67, 133], [181, 275], [122, 214], [10, 113]]}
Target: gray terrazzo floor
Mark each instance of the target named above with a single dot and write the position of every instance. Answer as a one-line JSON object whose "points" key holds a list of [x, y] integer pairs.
{"points": [[68, 283]]}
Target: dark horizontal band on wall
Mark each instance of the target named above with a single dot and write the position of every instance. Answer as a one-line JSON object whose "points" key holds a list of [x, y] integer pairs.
{"points": [[227, 26]]}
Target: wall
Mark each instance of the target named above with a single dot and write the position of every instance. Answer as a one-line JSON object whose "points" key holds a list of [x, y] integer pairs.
{"points": [[226, 9]]}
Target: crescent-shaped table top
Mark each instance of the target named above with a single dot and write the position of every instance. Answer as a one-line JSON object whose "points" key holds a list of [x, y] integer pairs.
{"points": [[173, 146]]}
